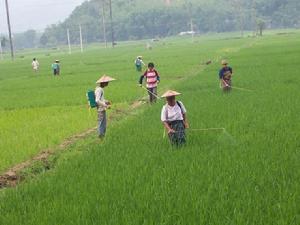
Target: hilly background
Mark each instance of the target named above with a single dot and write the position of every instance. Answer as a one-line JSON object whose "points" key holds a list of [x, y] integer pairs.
{"points": [[140, 19]]}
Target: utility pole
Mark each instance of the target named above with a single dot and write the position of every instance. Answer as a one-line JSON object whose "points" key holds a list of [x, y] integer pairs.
{"points": [[80, 36], [9, 31], [104, 23], [112, 25], [241, 18], [254, 17], [238, 4], [69, 43]]}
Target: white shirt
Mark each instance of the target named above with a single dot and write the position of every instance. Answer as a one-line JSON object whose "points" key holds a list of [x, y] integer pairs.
{"points": [[35, 65], [100, 100], [172, 113]]}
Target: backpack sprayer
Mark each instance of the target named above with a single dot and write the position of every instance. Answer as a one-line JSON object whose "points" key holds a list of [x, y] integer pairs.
{"points": [[91, 99]]}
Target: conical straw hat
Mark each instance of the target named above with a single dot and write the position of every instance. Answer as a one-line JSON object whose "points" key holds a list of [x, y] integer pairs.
{"points": [[170, 93], [224, 62], [105, 79]]}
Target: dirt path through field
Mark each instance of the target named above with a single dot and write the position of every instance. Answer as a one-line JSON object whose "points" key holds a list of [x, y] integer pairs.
{"points": [[13, 176]]}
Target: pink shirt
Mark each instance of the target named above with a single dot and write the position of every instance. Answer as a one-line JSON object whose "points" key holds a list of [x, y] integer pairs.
{"points": [[151, 76]]}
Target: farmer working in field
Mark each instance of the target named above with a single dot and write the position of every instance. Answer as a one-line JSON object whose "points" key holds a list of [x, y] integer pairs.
{"points": [[56, 68], [173, 116], [139, 63], [102, 104], [35, 65], [152, 79], [225, 75]]}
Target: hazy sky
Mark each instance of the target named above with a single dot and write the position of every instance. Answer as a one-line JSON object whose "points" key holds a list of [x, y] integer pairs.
{"points": [[35, 14]]}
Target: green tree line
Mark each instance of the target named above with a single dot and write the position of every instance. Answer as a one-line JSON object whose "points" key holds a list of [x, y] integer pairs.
{"points": [[139, 19]]}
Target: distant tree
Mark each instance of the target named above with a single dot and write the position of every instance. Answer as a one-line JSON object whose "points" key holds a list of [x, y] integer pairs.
{"points": [[3, 42], [30, 37], [261, 25]]}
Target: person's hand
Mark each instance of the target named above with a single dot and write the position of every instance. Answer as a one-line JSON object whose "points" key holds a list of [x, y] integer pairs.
{"points": [[108, 103], [171, 131], [186, 125], [158, 82], [140, 85]]}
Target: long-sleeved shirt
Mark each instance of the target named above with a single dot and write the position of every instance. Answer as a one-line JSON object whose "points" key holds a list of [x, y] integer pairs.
{"points": [[152, 77], [100, 100]]}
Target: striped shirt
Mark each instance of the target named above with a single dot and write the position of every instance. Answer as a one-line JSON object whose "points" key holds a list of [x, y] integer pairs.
{"points": [[152, 77]]}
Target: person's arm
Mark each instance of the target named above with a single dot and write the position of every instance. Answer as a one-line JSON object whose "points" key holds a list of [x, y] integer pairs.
{"points": [[185, 122], [221, 78], [183, 111], [143, 62], [231, 71], [142, 78], [168, 128], [157, 75]]}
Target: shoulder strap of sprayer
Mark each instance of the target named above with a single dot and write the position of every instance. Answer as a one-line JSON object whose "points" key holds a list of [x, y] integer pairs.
{"points": [[180, 106]]}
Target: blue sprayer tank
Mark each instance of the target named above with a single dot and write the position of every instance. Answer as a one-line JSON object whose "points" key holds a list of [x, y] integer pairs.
{"points": [[91, 98]]}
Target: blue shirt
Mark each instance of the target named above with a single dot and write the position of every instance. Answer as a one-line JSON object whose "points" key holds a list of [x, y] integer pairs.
{"points": [[223, 71], [55, 66]]}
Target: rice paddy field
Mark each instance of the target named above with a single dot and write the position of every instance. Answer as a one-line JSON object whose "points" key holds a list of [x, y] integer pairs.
{"points": [[246, 174]]}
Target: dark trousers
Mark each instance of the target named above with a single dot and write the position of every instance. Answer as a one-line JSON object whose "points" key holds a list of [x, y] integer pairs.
{"points": [[56, 72], [152, 94]]}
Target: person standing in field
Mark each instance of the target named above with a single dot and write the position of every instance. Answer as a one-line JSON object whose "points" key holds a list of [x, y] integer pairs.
{"points": [[152, 79], [102, 104], [139, 63], [173, 116], [225, 75], [35, 65], [56, 68]]}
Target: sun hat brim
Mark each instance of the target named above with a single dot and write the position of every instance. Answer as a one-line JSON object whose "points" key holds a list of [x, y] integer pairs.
{"points": [[170, 93], [105, 79]]}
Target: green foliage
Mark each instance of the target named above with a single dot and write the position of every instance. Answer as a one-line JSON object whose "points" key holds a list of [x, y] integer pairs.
{"points": [[28, 39], [261, 25], [139, 19], [135, 177]]}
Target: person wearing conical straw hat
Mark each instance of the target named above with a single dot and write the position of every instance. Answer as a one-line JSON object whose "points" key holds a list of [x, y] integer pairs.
{"points": [[173, 116], [225, 75], [102, 104]]}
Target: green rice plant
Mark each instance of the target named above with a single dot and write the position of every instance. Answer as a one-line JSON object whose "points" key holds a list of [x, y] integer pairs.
{"points": [[136, 177], [39, 111]]}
